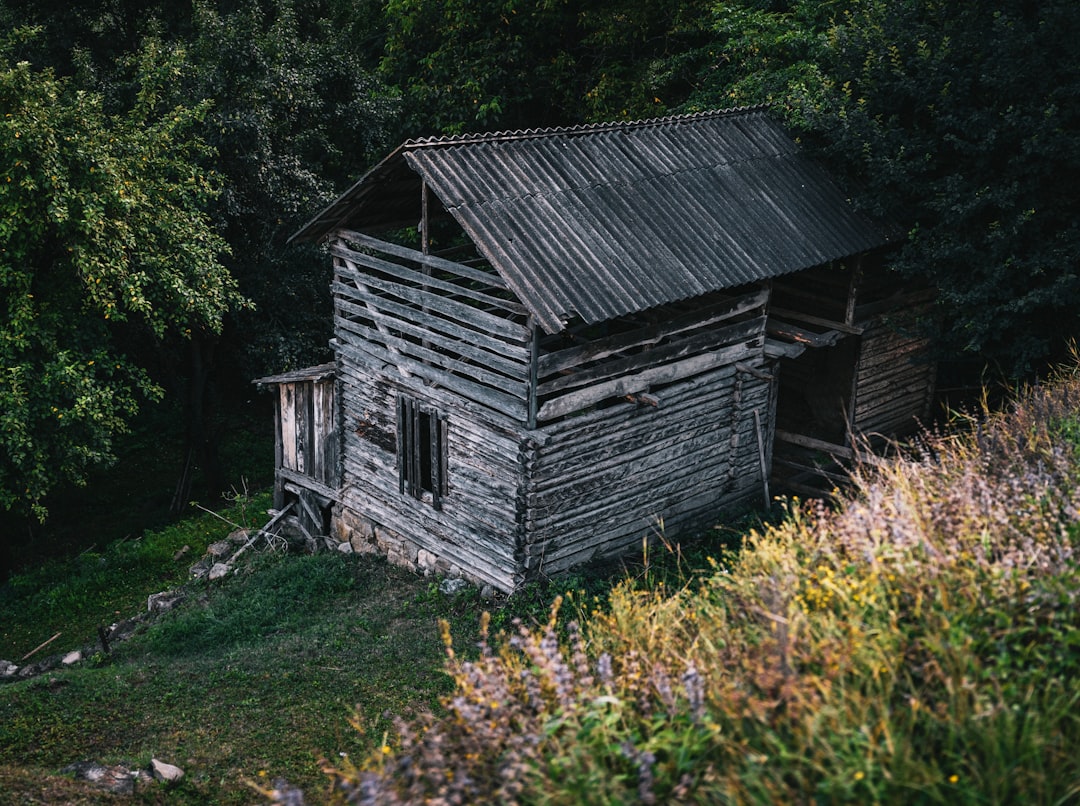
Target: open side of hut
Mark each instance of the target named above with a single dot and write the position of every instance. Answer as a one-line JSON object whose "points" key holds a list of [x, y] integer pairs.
{"points": [[866, 376], [552, 344]]}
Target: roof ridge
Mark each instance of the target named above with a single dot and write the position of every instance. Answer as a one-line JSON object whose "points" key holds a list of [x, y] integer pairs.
{"points": [[585, 128]]}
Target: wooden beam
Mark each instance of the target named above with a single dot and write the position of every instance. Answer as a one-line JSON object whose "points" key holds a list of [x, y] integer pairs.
{"points": [[817, 444], [596, 349], [434, 261], [641, 381], [831, 324], [785, 330]]}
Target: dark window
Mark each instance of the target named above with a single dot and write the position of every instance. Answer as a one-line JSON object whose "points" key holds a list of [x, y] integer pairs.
{"points": [[421, 451]]}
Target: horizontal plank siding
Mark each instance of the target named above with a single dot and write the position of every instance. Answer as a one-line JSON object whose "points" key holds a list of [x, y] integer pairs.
{"points": [[597, 349], [894, 381], [477, 526], [608, 478]]}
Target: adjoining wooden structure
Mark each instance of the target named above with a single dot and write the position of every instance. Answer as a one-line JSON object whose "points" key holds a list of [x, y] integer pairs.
{"points": [[866, 376], [306, 456], [552, 344]]}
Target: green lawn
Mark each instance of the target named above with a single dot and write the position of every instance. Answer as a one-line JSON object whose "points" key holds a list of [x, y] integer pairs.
{"points": [[253, 678]]}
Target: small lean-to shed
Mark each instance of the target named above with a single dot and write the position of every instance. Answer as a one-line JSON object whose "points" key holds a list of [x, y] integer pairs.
{"points": [[551, 344], [306, 455]]}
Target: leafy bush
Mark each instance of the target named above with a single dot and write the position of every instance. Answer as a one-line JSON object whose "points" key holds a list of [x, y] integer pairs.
{"points": [[917, 642]]}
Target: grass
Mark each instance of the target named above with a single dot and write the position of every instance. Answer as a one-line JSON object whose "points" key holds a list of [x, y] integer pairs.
{"points": [[918, 642], [254, 677]]}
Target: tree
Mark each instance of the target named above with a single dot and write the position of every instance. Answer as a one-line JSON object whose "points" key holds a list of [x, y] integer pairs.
{"points": [[962, 120], [297, 117], [465, 65], [103, 233], [958, 123]]}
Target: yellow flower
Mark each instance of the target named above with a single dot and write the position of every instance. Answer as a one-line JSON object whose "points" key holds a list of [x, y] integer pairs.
{"points": [[954, 778], [859, 775], [386, 749]]}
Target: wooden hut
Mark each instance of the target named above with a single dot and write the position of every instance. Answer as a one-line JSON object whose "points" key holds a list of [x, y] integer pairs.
{"points": [[553, 344]]}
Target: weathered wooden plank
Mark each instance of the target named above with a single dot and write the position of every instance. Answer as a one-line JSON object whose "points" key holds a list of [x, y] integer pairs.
{"points": [[644, 483], [643, 380], [741, 332], [912, 401], [367, 375], [815, 444], [786, 314], [895, 381], [691, 517], [385, 312], [435, 360], [617, 459], [566, 464], [306, 481], [376, 357], [452, 536], [286, 404], [604, 347], [789, 332], [433, 261], [579, 465], [882, 350], [279, 455], [426, 300], [585, 442], [425, 281]]}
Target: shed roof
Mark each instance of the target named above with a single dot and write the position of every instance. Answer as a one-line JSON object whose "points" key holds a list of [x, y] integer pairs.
{"points": [[603, 220]]}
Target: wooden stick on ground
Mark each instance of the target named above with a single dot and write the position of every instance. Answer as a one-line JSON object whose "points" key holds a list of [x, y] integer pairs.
{"points": [[40, 646]]}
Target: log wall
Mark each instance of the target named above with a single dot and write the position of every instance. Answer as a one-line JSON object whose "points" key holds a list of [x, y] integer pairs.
{"points": [[476, 529], [894, 380], [610, 478], [557, 450]]}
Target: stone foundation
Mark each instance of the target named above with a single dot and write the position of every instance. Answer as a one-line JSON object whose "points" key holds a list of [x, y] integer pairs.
{"points": [[365, 536]]}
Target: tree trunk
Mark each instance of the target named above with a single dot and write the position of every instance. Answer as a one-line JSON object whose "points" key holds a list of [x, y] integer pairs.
{"points": [[200, 444]]}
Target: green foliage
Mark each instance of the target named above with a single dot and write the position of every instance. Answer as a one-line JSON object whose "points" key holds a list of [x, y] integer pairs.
{"points": [[956, 123], [483, 64], [963, 122], [297, 117], [917, 641], [103, 233]]}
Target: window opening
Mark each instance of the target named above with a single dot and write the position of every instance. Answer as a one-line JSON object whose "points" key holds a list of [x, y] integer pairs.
{"points": [[421, 451]]}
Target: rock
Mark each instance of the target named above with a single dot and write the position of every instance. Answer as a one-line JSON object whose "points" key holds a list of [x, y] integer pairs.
{"points": [[202, 567], [218, 570], [487, 593], [449, 587], [164, 602], [180, 554], [8, 669], [222, 548], [164, 771], [72, 657], [285, 794], [239, 536], [426, 560], [345, 548]]}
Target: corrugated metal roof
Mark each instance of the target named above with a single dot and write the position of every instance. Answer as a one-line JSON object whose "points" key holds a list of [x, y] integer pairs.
{"points": [[604, 220]]}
